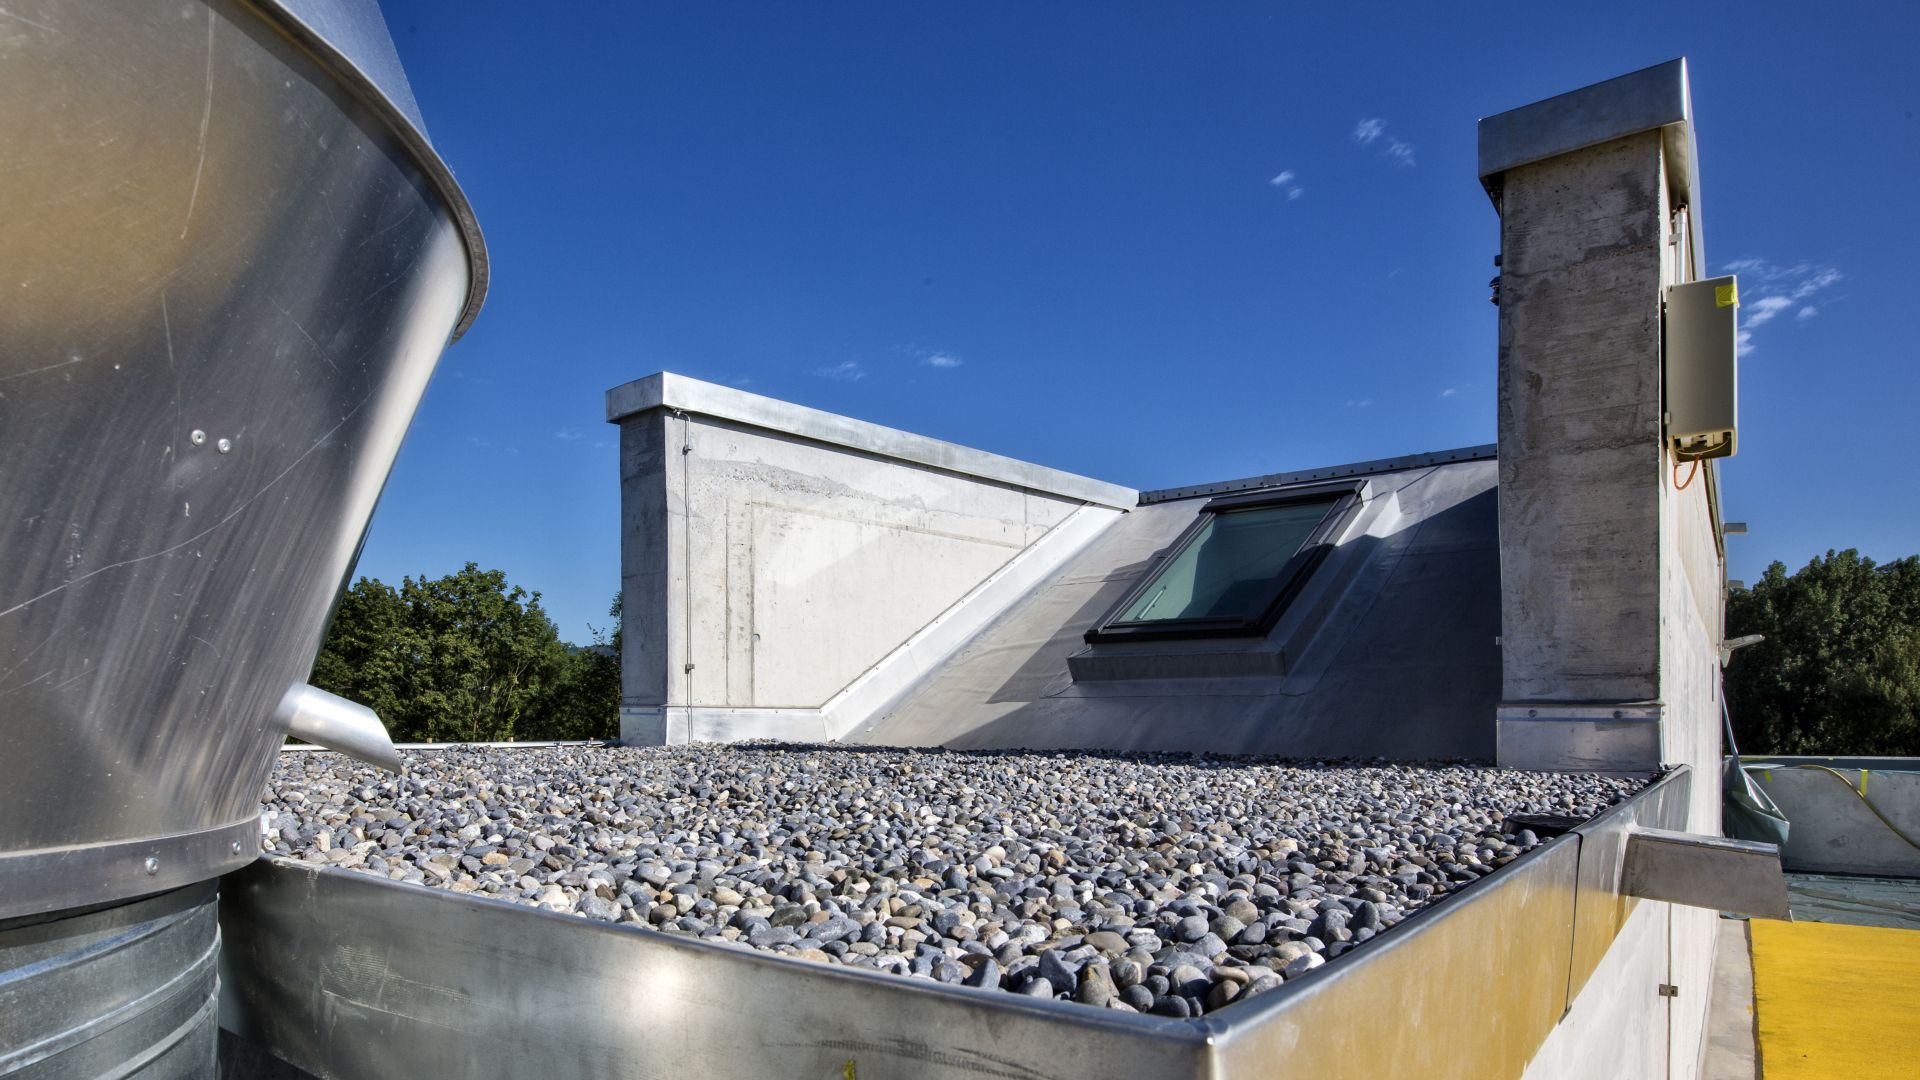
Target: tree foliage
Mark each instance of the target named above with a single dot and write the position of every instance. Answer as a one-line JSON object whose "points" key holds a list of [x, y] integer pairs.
{"points": [[1839, 672], [467, 658]]}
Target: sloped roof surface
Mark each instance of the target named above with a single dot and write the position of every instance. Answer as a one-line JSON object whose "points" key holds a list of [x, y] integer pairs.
{"points": [[1390, 651]]}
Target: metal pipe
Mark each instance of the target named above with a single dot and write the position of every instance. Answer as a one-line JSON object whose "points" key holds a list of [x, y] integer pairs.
{"points": [[332, 721]]}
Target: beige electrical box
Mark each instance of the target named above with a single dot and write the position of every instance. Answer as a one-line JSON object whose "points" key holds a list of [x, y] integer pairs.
{"points": [[1701, 367]]}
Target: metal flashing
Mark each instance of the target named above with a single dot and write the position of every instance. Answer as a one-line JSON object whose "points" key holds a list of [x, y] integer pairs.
{"points": [[1522, 937], [1657, 98], [1486, 452], [1346, 498], [1580, 737], [665, 390]]}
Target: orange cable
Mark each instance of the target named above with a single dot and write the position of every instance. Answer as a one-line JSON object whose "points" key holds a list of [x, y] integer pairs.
{"points": [[1679, 484]]}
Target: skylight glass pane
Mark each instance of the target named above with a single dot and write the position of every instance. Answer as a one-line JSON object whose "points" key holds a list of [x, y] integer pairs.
{"points": [[1230, 568]]}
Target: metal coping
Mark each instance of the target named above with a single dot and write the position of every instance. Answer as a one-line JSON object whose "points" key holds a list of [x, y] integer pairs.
{"points": [[1657, 98], [1581, 860], [368, 91], [1486, 452], [680, 393]]}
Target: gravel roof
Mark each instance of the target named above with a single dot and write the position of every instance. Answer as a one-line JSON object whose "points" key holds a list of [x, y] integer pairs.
{"points": [[1152, 882]]}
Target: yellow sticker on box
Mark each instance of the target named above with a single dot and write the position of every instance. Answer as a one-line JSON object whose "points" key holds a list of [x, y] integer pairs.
{"points": [[1726, 295]]}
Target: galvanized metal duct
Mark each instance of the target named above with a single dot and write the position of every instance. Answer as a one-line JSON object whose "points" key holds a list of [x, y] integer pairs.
{"points": [[234, 261], [126, 991]]}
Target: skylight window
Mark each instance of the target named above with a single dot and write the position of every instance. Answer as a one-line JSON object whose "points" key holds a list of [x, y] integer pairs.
{"points": [[1236, 567]]}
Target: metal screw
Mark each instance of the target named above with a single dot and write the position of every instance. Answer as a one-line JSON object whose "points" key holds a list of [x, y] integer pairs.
{"points": [[224, 445], [198, 438], [153, 866], [234, 847]]}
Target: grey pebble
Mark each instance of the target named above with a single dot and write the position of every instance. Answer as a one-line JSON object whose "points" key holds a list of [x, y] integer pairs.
{"points": [[1048, 873]]}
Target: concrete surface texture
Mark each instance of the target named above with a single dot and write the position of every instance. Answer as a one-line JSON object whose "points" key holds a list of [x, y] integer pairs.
{"points": [[1731, 1050], [1579, 410], [1847, 818], [775, 555], [1617, 1026]]}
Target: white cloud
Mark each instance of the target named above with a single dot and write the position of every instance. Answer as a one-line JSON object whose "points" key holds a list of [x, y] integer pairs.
{"points": [[1820, 279], [569, 435], [1360, 403], [942, 360], [1762, 311], [1451, 391], [1397, 150], [845, 371], [1285, 183], [1771, 290]]}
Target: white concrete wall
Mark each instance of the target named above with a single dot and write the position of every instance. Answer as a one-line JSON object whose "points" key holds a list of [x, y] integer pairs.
{"points": [[783, 569], [1617, 1024]]}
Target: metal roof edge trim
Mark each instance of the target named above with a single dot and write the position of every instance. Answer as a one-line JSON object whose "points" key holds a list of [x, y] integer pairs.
{"points": [[665, 390], [411, 136], [1654, 98], [1639, 101], [1484, 452]]}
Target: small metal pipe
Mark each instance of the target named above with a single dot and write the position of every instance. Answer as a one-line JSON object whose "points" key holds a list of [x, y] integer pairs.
{"points": [[329, 720]]}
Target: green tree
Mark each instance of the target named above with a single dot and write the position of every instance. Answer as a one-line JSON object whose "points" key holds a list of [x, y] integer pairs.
{"points": [[583, 699], [466, 658], [1839, 672]]}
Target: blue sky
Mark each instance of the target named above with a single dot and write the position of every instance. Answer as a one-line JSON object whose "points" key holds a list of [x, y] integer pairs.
{"points": [[1156, 244]]}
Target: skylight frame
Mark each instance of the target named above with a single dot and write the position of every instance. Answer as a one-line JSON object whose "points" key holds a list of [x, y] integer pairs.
{"points": [[1346, 496]]}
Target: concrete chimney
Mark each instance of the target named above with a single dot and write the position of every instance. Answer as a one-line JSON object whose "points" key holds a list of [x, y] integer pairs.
{"points": [[1611, 573]]}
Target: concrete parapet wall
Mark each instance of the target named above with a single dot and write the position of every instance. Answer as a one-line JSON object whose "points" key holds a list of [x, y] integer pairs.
{"points": [[785, 570], [1845, 813]]}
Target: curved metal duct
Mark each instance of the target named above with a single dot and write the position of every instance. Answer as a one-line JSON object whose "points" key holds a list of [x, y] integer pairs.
{"points": [[229, 263]]}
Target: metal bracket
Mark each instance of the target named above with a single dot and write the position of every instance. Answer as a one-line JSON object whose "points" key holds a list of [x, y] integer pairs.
{"points": [[1705, 871], [1668, 990]]}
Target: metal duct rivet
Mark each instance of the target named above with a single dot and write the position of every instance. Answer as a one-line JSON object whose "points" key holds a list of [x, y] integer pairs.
{"points": [[153, 865], [234, 847], [198, 438], [224, 445]]}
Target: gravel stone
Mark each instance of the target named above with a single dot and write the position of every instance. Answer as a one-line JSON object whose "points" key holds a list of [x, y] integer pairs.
{"points": [[1063, 874]]}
